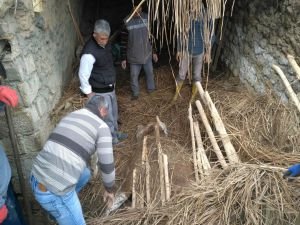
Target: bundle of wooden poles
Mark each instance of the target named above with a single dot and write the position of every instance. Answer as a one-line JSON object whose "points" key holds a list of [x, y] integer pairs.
{"points": [[141, 196], [201, 162]]}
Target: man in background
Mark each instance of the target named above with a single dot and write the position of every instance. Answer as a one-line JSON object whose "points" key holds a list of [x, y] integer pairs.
{"points": [[98, 76], [136, 49]]}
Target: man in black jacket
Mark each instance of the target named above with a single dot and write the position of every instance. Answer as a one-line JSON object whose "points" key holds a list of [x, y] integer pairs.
{"points": [[98, 76]]}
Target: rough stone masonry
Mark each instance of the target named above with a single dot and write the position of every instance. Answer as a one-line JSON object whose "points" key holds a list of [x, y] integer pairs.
{"points": [[38, 52], [259, 34]]}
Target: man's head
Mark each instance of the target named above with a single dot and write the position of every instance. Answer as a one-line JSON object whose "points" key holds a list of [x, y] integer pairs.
{"points": [[98, 105], [101, 32]]}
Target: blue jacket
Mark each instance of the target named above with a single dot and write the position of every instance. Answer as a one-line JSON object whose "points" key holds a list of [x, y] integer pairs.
{"points": [[196, 38], [5, 172]]}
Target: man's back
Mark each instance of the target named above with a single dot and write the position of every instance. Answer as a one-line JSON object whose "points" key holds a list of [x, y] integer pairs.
{"points": [[68, 149]]}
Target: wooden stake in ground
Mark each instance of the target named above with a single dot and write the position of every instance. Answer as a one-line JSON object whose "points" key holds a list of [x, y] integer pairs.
{"points": [[193, 144], [148, 197], [294, 65], [211, 135], [202, 158], [230, 151], [160, 164], [133, 189], [291, 93], [167, 180]]}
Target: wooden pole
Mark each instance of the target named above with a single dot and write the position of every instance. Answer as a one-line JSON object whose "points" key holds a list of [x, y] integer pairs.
{"points": [[193, 144], [167, 180], [294, 65], [133, 189], [202, 158], [135, 10], [160, 164], [291, 93], [75, 24], [211, 135], [230, 151], [148, 199]]}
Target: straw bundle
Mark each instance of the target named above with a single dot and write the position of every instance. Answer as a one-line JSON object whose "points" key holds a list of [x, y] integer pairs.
{"points": [[242, 195]]}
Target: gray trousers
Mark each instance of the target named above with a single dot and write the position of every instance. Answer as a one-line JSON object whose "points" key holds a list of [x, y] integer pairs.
{"points": [[197, 62], [135, 70], [112, 117]]}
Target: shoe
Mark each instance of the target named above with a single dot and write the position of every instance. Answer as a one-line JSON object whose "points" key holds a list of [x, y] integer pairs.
{"points": [[179, 85], [121, 136], [115, 141], [134, 97], [151, 91]]}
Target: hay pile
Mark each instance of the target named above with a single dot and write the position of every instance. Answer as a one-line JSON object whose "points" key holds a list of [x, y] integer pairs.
{"points": [[265, 133]]}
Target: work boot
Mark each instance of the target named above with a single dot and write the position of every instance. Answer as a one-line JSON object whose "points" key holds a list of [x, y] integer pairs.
{"points": [[194, 93], [121, 136], [178, 88]]}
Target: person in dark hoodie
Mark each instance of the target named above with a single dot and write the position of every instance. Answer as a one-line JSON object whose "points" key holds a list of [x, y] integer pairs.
{"points": [[61, 170], [136, 50], [98, 76]]}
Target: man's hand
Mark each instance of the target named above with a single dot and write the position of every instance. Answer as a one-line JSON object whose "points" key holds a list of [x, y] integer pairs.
{"points": [[3, 213], [109, 199], [293, 171], [90, 95], [155, 57], [123, 64], [8, 96]]}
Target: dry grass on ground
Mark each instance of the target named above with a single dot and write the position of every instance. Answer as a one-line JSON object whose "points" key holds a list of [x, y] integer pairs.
{"points": [[264, 132]]}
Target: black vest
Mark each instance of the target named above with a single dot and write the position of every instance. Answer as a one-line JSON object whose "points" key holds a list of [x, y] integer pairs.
{"points": [[103, 73]]}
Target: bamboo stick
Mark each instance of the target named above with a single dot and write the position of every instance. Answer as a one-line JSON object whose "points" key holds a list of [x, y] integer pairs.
{"points": [[133, 189], [148, 199], [200, 149], [201, 91], [230, 151], [144, 151], [167, 180], [193, 145], [75, 24], [211, 135], [160, 164], [294, 65], [291, 93], [162, 180], [135, 10], [144, 156]]}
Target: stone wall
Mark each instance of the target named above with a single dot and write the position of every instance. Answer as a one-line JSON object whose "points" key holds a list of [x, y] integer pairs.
{"points": [[258, 35], [39, 50]]}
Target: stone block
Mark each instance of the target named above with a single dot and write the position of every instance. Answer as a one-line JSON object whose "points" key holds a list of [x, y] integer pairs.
{"points": [[29, 144], [29, 89], [41, 105], [29, 64], [4, 6], [23, 122]]}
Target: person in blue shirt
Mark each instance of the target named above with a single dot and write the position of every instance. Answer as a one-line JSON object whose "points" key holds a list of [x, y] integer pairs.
{"points": [[195, 53], [293, 172]]}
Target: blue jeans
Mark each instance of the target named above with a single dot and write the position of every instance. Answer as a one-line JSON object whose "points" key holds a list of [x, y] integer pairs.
{"points": [[14, 216], [66, 209], [135, 70]]}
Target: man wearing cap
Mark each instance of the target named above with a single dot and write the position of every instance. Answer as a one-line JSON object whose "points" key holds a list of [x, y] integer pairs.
{"points": [[61, 170], [98, 76]]}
